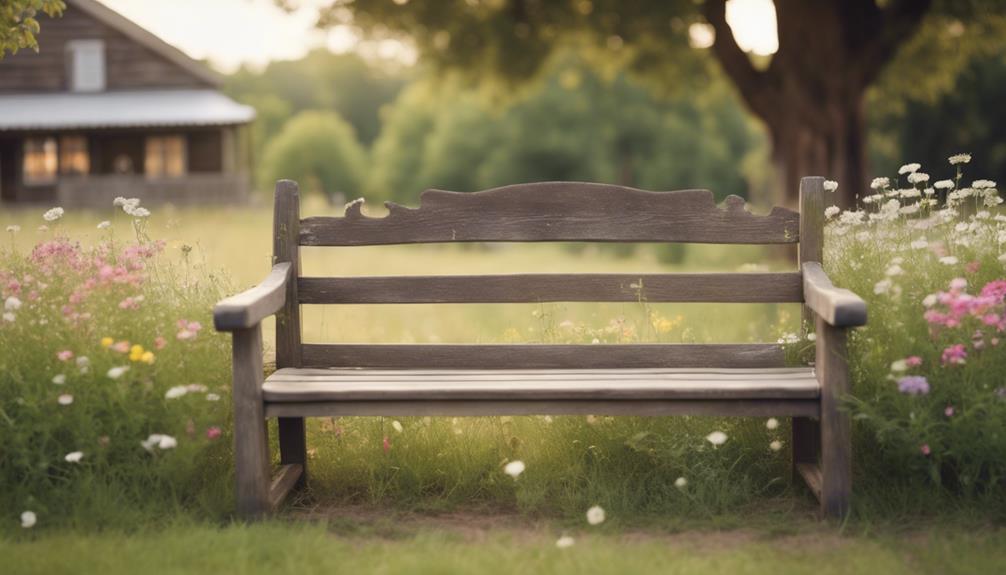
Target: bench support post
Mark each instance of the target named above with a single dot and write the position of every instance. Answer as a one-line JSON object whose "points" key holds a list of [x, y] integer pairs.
{"points": [[836, 427], [251, 447]]}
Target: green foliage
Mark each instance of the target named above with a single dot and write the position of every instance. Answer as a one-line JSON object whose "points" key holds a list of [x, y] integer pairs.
{"points": [[319, 150], [19, 23]]}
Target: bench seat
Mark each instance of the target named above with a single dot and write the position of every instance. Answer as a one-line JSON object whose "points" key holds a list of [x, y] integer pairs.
{"points": [[320, 385]]}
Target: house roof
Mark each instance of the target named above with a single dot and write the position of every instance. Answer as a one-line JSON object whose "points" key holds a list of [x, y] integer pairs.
{"points": [[133, 109], [139, 34]]}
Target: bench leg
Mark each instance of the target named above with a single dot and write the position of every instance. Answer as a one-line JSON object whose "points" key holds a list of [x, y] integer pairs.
{"points": [[806, 442], [836, 425], [293, 446], [251, 447]]}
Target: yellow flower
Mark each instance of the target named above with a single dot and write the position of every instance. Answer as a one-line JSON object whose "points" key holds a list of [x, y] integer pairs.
{"points": [[147, 357], [107, 342], [136, 352]]}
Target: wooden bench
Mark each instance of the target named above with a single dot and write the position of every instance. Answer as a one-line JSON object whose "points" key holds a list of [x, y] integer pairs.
{"points": [[315, 380]]}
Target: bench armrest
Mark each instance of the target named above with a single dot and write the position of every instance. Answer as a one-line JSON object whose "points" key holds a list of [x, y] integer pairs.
{"points": [[836, 306], [248, 308]]}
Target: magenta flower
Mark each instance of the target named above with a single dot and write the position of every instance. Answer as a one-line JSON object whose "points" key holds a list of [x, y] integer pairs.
{"points": [[913, 361], [386, 444], [913, 385], [924, 448], [213, 432], [65, 355], [954, 355]]}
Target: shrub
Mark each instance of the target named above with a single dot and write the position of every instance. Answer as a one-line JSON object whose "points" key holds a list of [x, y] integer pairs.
{"points": [[929, 396], [113, 397]]}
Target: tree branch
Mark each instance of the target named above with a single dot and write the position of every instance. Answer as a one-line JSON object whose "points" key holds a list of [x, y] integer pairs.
{"points": [[752, 83]]}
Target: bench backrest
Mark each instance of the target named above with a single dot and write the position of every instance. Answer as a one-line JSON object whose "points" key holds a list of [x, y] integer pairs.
{"points": [[543, 212]]}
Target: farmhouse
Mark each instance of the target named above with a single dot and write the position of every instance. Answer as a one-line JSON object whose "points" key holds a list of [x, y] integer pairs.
{"points": [[106, 109]]}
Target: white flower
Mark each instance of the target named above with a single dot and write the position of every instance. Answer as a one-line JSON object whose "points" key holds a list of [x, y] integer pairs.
{"points": [[74, 456], [909, 169], [830, 185], [59, 379], [918, 177], [83, 364], [883, 286], [775, 445], [159, 440], [717, 438], [894, 270], [948, 260], [910, 193], [681, 483], [960, 159], [136, 211], [28, 519], [9, 316], [65, 399], [832, 211], [212, 397], [900, 365], [119, 202], [12, 304], [772, 423], [595, 515], [514, 468], [983, 184], [397, 426], [564, 542], [811, 336], [944, 184], [880, 183], [53, 214], [920, 244], [175, 392], [104, 225], [116, 372], [167, 442], [13, 228], [930, 300], [196, 388]]}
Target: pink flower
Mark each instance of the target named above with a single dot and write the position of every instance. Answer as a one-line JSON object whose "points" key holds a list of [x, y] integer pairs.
{"points": [[949, 411], [65, 355], [972, 267], [160, 342], [213, 432], [188, 329], [386, 444], [121, 346], [954, 355], [913, 361], [924, 448]]}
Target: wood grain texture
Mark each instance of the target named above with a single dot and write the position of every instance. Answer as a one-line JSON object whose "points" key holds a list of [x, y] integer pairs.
{"points": [[836, 427], [717, 287], [720, 407], [251, 447], [475, 356], [557, 211], [836, 306], [811, 474], [286, 478], [292, 385], [248, 308]]}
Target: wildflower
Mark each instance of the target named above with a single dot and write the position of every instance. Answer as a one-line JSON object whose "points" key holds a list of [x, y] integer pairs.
{"points": [[136, 352], [924, 448], [160, 343], [396, 425], [960, 159], [160, 441], [913, 385], [830, 185], [74, 456], [175, 392], [717, 438], [196, 388], [212, 397], [213, 432], [918, 177], [148, 357], [514, 468], [949, 411], [107, 342], [954, 355], [121, 346], [944, 184], [948, 260], [929, 300], [188, 329], [565, 542], [772, 423], [983, 184], [831, 211], [681, 483], [13, 229], [385, 444], [882, 287], [913, 361], [28, 519], [59, 379], [65, 399], [909, 169], [880, 183], [104, 225], [595, 515], [894, 270], [775, 445], [12, 303], [116, 372], [811, 336], [53, 214], [9, 316], [65, 355], [920, 244]]}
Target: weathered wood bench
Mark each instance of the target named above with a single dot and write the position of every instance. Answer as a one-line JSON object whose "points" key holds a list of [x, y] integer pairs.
{"points": [[652, 379]]}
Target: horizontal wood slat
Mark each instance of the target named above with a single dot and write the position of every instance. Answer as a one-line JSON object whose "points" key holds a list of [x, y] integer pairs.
{"points": [[477, 356], [713, 287], [556, 211], [730, 407]]}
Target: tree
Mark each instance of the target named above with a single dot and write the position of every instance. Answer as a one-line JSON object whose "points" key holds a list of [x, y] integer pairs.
{"points": [[810, 94], [19, 22], [318, 150]]}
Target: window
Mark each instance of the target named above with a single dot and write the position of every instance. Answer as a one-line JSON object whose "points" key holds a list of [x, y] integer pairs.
{"points": [[40, 161], [165, 157], [86, 65], [73, 158]]}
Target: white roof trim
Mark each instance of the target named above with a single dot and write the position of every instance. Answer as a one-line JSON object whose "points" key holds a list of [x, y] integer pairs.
{"points": [[120, 109], [143, 36]]}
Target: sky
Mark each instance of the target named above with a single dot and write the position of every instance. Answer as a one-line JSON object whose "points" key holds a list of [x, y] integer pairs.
{"points": [[257, 32]]}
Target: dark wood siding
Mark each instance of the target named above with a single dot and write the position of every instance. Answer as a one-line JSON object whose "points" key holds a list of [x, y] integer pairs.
{"points": [[128, 64]]}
